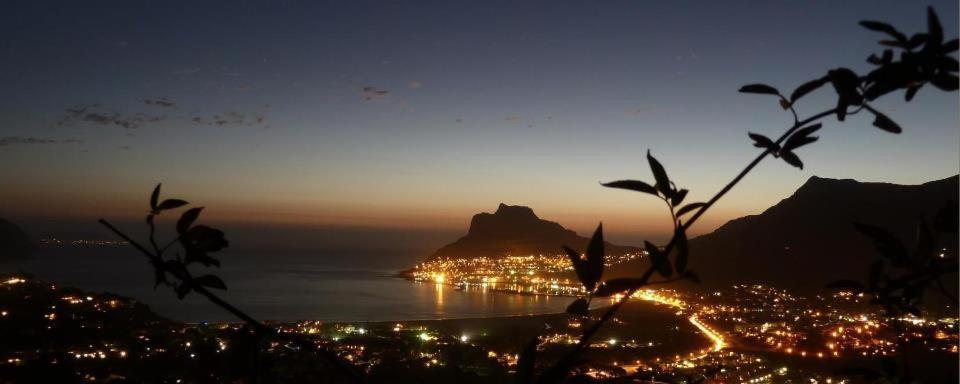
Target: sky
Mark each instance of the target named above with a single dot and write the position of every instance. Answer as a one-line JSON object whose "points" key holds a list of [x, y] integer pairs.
{"points": [[418, 114]]}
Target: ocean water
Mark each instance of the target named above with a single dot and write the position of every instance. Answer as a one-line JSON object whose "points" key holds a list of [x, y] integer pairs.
{"points": [[282, 287]]}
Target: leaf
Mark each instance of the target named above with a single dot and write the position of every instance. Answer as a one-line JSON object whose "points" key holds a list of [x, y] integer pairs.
{"points": [[947, 63], [893, 43], [950, 46], [885, 28], [847, 85], [595, 255], [915, 41], [579, 307], [659, 174], [801, 137], [883, 122], [799, 141], [689, 207], [945, 81], [887, 56], [846, 284], [633, 185], [759, 88], [761, 141], [911, 92], [809, 130], [806, 88], [683, 251], [934, 29], [204, 239], [658, 260], [579, 266], [187, 219], [527, 362], [678, 197], [154, 197], [614, 286], [210, 281], [791, 158], [888, 53], [886, 243], [171, 204]]}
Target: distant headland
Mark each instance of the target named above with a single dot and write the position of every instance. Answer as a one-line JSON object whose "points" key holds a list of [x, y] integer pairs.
{"points": [[515, 230]]}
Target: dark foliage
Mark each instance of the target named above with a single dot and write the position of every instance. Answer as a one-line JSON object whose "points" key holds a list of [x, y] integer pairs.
{"points": [[924, 58], [900, 278], [907, 63], [197, 244]]}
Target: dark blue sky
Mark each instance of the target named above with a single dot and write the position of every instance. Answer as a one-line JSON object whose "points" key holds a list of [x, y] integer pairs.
{"points": [[414, 113]]}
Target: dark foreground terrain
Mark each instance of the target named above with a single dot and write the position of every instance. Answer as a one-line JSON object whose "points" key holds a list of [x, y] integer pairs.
{"points": [[54, 334]]}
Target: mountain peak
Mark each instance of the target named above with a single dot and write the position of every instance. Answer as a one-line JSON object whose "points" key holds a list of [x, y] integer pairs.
{"points": [[817, 186], [515, 211], [817, 180], [515, 230]]}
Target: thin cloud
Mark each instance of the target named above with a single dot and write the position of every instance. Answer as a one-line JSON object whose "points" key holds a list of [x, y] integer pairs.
{"points": [[232, 118], [20, 140], [98, 115], [161, 102], [95, 114], [374, 93]]}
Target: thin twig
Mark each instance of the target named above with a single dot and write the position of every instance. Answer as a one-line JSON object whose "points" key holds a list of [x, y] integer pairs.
{"points": [[259, 327], [555, 372], [753, 164]]}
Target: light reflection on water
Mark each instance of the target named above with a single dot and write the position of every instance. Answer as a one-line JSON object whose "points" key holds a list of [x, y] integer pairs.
{"points": [[284, 291]]}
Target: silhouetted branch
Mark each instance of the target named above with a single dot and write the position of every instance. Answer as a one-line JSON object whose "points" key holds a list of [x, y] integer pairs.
{"points": [[259, 328], [913, 70], [750, 167], [552, 375]]}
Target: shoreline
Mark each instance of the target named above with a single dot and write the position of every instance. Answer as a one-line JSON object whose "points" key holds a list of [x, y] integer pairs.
{"points": [[453, 318]]}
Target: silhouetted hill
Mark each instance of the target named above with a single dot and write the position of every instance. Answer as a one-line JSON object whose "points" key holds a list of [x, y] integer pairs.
{"points": [[14, 243], [808, 239], [516, 230]]}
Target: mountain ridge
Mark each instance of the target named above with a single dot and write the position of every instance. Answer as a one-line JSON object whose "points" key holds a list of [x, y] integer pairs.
{"points": [[808, 238]]}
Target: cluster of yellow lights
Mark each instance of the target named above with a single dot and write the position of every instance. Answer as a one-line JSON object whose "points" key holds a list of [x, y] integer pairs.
{"points": [[540, 274]]}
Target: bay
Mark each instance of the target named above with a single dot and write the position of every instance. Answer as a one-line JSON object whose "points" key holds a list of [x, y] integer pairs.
{"points": [[281, 287]]}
